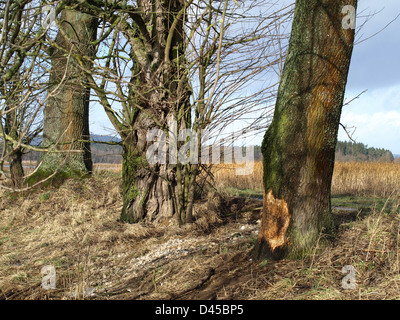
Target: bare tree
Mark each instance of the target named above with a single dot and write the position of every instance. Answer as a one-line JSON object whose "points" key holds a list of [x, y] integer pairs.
{"points": [[156, 67], [180, 62], [20, 88], [24, 83]]}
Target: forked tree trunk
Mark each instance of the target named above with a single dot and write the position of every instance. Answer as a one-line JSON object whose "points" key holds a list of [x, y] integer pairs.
{"points": [[66, 115], [299, 146]]}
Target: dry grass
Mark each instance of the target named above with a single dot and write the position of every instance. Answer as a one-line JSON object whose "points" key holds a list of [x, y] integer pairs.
{"points": [[366, 178], [362, 179], [108, 166], [226, 176], [75, 229], [56, 227]]}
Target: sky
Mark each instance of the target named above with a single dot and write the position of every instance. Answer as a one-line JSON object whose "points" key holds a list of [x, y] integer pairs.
{"points": [[374, 117], [375, 67]]}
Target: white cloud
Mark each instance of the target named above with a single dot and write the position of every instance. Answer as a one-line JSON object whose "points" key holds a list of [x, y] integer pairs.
{"points": [[376, 116]]}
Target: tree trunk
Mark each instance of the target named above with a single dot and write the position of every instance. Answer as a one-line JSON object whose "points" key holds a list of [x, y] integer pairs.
{"points": [[147, 195], [158, 93], [299, 146], [66, 115], [16, 169], [11, 128]]}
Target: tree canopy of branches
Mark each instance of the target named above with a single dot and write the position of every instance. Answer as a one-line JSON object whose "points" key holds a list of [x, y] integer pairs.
{"points": [[170, 75], [22, 83], [165, 66]]}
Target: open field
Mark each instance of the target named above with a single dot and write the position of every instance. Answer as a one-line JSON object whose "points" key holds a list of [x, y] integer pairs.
{"points": [[352, 178], [366, 179], [75, 229]]}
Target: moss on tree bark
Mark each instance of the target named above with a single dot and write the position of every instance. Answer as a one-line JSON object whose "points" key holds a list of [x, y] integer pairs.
{"points": [[66, 115], [299, 146]]}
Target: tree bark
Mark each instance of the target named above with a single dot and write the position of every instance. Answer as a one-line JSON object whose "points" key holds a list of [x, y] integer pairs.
{"points": [[16, 168], [11, 128], [299, 146], [146, 188], [66, 115], [158, 93]]}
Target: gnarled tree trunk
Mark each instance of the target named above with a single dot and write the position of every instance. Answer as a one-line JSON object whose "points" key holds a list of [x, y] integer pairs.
{"points": [[146, 186], [299, 146], [158, 93]]}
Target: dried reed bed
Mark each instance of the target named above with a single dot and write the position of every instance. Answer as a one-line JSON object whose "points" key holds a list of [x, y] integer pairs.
{"points": [[366, 178], [225, 176], [356, 178], [108, 166]]}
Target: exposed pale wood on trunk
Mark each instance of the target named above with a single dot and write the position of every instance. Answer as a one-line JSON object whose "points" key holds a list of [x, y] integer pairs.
{"points": [[299, 146]]}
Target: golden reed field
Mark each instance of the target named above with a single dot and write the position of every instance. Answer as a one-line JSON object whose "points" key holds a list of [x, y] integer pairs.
{"points": [[356, 178]]}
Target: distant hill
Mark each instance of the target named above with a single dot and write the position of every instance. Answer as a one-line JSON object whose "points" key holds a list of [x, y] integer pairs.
{"points": [[104, 138], [106, 153], [345, 151], [101, 153]]}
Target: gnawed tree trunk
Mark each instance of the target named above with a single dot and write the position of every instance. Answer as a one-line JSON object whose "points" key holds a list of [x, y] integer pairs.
{"points": [[66, 115], [299, 146]]}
